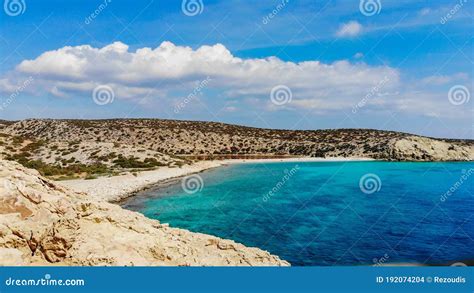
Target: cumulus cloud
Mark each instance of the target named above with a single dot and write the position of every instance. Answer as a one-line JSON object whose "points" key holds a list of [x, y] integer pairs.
{"points": [[350, 29], [165, 72], [170, 75]]}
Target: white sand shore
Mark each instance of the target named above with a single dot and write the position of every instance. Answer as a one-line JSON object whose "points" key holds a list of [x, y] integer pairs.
{"points": [[302, 159], [119, 187]]}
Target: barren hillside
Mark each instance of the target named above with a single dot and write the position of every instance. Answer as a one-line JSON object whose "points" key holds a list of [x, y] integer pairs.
{"points": [[149, 143]]}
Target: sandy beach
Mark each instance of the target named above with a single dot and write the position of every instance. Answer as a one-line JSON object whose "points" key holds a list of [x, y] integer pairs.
{"points": [[116, 188]]}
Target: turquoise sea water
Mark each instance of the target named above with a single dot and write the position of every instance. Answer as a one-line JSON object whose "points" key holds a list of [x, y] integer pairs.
{"points": [[329, 213]]}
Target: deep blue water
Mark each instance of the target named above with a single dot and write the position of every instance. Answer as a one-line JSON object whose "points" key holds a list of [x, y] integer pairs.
{"points": [[319, 215]]}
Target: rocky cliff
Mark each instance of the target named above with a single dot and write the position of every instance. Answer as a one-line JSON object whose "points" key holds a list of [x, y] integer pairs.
{"points": [[43, 223]]}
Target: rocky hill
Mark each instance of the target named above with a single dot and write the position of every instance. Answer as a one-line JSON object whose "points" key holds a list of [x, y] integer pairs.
{"points": [[148, 143], [43, 223], [5, 123]]}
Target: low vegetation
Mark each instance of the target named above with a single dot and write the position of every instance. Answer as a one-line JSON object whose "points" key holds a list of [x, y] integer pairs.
{"points": [[89, 148]]}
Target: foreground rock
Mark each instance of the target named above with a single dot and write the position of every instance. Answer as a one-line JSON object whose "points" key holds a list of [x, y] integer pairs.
{"points": [[42, 223]]}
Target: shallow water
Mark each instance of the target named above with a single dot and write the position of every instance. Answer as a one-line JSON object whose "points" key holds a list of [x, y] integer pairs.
{"points": [[320, 214]]}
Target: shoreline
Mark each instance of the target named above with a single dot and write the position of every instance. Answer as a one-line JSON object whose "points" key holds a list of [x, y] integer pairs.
{"points": [[166, 176], [117, 188], [74, 230]]}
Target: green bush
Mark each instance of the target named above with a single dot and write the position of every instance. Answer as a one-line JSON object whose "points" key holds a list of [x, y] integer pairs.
{"points": [[133, 162]]}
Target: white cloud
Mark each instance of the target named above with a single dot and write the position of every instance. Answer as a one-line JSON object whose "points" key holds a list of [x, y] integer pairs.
{"points": [[358, 55], [444, 79], [161, 76], [168, 71], [350, 29]]}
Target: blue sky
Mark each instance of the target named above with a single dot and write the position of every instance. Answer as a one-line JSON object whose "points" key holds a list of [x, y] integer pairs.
{"points": [[275, 64]]}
